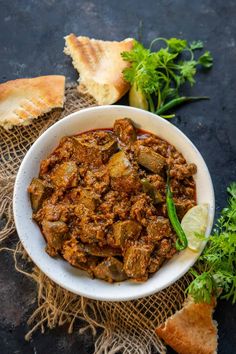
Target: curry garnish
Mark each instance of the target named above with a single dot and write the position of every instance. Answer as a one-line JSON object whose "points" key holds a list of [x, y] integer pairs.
{"points": [[181, 242], [215, 272], [158, 76]]}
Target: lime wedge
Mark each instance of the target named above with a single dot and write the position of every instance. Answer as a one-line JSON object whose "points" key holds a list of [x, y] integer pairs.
{"points": [[137, 98], [194, 223]]}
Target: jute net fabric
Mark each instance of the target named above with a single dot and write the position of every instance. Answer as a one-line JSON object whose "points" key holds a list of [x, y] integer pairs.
{"points": [[127, 327]]}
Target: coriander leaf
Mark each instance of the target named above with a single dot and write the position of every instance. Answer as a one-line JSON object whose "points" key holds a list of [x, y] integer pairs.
{"points": [[188, 71], [176, 45], [142, 70], [218, 260], [232, 190], [163, 57], [202, 287], [206, 60], [196, 45], [158, 75], [137, 54], [129, 75]]}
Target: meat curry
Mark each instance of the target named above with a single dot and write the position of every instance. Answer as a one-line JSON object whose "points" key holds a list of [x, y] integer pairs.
{"points": [[100, 201]]}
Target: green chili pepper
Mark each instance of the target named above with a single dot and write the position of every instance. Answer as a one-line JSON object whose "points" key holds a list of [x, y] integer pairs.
{"points": [[182, 241], [177, 101], [169, 116]]}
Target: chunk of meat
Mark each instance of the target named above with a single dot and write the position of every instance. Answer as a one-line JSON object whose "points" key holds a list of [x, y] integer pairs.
{"points": [[53, 212], [119, 165], [125, 131], [150, 159], [125, 230], [65, 175], [81, 213], [155, 263], [158, 228], [142, 209], [82, 196], [136, 259], [165, 250], [110, 270], [38, 191], [164, 247], [95, 148], [157, 144], [55, 233], [91, 232], [182, 206], [88, 198], [73, 252], [182, 171], [75, 255], [123, 176]]}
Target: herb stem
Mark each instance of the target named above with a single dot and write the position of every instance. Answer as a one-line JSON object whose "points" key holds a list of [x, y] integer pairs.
{"points": [[151, 104], [156, 40], [158, 98], [190, 51]]}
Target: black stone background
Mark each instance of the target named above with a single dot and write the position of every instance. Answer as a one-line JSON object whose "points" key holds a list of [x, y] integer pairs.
{"points": [[31, 44]]}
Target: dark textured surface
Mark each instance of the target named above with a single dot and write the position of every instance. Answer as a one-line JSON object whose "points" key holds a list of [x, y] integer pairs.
{"points": [[31, 37]]}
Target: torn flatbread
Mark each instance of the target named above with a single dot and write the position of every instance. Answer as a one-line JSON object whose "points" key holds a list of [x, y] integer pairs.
{"points": [[191, 330], [100, 66], [22, 100]]}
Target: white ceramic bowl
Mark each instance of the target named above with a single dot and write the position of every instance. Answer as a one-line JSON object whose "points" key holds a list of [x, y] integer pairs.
{"points": [[62, 272]]}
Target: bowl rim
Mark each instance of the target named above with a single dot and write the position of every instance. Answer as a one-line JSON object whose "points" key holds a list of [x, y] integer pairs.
{"points": [[62, 122]]}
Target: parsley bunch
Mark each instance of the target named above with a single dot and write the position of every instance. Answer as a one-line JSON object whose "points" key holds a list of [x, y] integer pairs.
{"points": [[216, 274], [158, 76]]}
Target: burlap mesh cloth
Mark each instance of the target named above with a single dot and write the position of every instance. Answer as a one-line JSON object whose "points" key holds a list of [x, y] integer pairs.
{"points": [[128, 327]]}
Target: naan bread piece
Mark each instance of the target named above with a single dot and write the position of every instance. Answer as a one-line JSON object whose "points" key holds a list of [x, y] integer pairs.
{"points": [[100, 66], [191, 330], [22, 100]]}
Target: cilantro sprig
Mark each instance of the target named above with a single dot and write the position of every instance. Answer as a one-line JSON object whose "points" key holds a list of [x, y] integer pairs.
{"points": [[158, 75], [215, 272]]}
